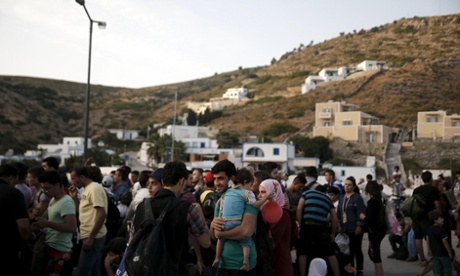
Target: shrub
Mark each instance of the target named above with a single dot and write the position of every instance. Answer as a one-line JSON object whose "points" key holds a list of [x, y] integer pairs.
{"points": [[276, 129]]}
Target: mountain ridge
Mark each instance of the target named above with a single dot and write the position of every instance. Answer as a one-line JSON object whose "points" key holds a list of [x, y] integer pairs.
{"points": [[422, 53]]}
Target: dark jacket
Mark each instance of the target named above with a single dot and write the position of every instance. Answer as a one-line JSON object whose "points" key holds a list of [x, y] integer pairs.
{"points": [[353, 208]]}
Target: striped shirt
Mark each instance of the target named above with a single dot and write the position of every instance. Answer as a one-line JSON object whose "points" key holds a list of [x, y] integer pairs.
{"points": [[317, 206]]}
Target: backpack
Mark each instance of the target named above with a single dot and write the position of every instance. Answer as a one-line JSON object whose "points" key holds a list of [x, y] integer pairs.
{"points": [[126, 198], [209, 198], [112, 222], [414, 206], [263, 243], [311, 185], [147, 253]]}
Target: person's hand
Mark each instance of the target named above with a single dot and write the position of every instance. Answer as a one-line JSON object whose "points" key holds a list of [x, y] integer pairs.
{"points": [[362, 216], [110, 258], [73, 191], [88, 243], [358, 230], [41, 222], [218, 225]]}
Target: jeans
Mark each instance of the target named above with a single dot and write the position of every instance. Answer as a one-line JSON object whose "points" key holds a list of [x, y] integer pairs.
{"points": [[90, 261], [397, 239]]}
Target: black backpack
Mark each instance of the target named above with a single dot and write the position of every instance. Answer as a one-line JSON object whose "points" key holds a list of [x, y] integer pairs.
{"points": [[112, 222], [147, 253], [264, 247]]}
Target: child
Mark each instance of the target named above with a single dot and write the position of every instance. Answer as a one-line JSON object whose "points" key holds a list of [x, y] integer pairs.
{"points": [[438, 245], [231, 208]]}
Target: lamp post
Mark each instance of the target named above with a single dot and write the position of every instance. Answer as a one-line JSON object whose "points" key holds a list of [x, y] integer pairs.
{"points": [[101, 25]]}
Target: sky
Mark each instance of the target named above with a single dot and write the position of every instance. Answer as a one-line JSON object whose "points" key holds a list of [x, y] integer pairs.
{"points": [[154, 42]]}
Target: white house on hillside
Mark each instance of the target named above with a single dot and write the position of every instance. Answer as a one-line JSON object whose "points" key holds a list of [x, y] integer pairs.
{"points": [[325, 75], [180, 132], [341, 73], [231, 97], [125, 134], [236, 93], [369, 65]]}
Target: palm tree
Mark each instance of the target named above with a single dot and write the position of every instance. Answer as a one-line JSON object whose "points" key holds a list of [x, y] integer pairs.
{"points": [[159, 147]]}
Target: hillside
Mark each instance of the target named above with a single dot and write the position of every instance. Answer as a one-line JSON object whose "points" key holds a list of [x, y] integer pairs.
{"points": [[423, 55]]}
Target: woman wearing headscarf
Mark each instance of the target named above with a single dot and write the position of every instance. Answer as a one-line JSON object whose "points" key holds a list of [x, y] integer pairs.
{"points": [[281, 230], [375, 219], [350, 207]]}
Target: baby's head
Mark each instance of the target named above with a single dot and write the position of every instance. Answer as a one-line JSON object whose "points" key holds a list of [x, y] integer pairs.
{"points": [[245, 178]]}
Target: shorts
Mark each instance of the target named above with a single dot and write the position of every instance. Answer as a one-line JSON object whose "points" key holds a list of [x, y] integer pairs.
{"points": [[420, 227], [442, 266], [315, 241]]}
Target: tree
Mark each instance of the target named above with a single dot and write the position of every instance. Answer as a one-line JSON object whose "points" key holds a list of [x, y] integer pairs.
{"points": [[191, 118], [159, 146], [227, 140], [110, 140], [273, 61], [100, 157], [313, 147]]}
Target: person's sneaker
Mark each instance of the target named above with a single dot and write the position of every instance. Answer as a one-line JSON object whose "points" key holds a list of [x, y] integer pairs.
{"points": [[411, 259], [392, 256]]}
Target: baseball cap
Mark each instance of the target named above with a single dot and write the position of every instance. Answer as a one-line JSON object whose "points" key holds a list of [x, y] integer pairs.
{"points": [[209, 177], [157, 174], [107, 181]]}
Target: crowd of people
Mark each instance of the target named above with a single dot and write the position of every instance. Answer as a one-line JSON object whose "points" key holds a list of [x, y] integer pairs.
{"points": [[225, 221]]}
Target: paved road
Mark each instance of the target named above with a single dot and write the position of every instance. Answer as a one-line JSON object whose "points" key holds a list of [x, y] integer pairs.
{"points": [[392, 266]]}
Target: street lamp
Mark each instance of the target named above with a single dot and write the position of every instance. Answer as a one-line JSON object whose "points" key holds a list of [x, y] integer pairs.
{"points": [[101, 25]]}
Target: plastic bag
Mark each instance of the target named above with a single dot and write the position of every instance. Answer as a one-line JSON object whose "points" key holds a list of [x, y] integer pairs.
{"points": [[343, 241]]}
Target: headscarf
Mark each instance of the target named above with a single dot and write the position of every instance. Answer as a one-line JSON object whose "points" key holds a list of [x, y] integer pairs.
{"points": [[318, 267], [271, 185]]}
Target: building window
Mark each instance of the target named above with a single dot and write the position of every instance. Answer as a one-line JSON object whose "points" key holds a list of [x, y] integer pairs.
{"points": [[371, 137], [432, 119], [202, 145], [276, 151], [327, 110], [347, 123], [456, 123], [255, 152], [327, 124]]}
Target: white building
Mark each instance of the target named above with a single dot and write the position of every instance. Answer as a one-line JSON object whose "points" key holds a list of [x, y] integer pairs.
{"points": [[341, 73], [202, 150], [71, 146], [256, 154], [303, 162], [343, 172], [236, 93], [369, 65], [180, 132], [311, 83], [125, 134], [325, 75], [333, 74]]}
